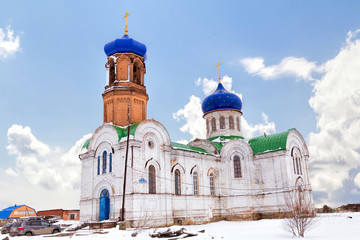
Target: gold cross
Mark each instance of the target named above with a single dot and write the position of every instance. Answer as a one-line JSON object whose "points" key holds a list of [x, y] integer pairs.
{"points": [[218, 65], [126, 15]]}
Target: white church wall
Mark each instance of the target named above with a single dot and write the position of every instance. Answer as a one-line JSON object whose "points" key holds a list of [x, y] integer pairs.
{"points": [[86, 188], [257, 191], [297, 142], [242, 187]]}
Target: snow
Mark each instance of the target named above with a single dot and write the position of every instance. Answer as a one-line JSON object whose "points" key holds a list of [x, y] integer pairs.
{"points": [[192, 150], [333, 226], [123, 139]]}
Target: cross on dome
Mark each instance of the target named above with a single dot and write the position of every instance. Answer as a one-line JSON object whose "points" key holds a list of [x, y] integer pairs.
{"points": [[126, 15], [218, 65]]}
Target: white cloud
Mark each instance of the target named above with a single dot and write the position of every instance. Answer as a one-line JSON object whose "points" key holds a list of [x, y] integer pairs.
{"points": [[9, 44], [11, 172], [334, 149], [249, 130], [23, 143], [289, 66], [51, 169], [210, 85], [183, 141], [192, 114], [357, 180]]}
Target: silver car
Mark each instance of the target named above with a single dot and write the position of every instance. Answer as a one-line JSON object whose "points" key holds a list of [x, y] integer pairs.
{"points": [[31, 227]]}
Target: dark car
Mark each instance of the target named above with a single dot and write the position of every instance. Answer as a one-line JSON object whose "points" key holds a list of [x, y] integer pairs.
{"points": [[6, 228], [34, 226]]}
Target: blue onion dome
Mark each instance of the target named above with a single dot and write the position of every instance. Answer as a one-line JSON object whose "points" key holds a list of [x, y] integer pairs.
{"points": [[221, 99], [125, 45]]}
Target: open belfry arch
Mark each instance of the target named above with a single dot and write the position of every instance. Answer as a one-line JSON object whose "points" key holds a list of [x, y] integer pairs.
{"points": [[133, 171]]}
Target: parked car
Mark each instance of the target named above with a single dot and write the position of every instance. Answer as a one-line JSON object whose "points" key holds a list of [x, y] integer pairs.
{"points": [[6, 228], [33, 226]]}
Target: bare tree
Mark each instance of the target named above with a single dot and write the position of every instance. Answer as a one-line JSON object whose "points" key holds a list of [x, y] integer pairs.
{"points": [[300, 214], [143, 222]]}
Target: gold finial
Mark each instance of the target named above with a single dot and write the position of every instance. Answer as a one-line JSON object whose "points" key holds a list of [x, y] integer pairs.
{"points": [[218, 65], [126, 15]]}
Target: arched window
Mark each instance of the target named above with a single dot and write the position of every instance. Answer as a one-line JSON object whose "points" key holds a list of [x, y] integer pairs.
{"points": [[136, 73], [296, 157], [298, 164], [222, 122], [110, 162], [195, 183], [213, 125], [212, 189], [238, 123], [104, 162], [231, 122], [152, 179], [294, 163], [98, 166], [207, 125], [177, 182], [237, 167], [111, 65]]}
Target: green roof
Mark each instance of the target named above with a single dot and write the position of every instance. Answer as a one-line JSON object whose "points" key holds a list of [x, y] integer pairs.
{"points": [[218, 146], [219, 141], [86, 144], [121, 131], [189, 148], [269, 143]]}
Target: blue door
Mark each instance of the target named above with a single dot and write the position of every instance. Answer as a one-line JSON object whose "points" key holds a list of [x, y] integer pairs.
{"points": [[104, 205]]}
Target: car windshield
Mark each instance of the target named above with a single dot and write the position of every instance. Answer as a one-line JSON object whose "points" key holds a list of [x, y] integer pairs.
{"points": [[16, 224]]}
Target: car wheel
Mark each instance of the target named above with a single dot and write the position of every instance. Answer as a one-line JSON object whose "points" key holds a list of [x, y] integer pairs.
{"points": [[29, 234], [56, 231]]}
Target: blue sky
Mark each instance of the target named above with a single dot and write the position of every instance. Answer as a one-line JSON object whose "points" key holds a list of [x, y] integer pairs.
{"points": [[286, 58]]}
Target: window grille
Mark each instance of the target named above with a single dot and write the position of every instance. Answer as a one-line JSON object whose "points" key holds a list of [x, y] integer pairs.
{"points": [[231, 122], [177, 182], [222, 122], [195, 182], [212, 189], [104, 162], [98, 166], [152, 179], [213, 125], [237, 167], [110, 162], [238, 123]]}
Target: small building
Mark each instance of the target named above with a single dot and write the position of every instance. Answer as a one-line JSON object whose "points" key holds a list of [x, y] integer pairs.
{"points": [[64, 214], [16, 211]]}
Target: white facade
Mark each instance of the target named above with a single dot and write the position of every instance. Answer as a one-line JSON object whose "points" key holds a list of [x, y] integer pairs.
{"points": [[221, 177], [255, 191]]}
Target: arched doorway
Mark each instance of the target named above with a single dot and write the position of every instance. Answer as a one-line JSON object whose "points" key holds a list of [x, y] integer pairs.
{"points": [[104, 205]]}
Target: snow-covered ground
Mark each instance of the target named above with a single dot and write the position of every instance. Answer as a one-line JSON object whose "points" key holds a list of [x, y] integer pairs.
{"points": [[336, 226]]}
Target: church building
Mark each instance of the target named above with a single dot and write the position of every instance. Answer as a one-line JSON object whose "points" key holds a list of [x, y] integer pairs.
{"points": [[224, 176]]}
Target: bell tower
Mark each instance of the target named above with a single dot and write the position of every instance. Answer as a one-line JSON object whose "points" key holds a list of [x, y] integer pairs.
{"points": [[125, 98]]}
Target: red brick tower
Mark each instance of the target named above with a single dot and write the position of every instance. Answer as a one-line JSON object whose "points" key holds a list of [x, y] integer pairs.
{"points": [[125, 68]]}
